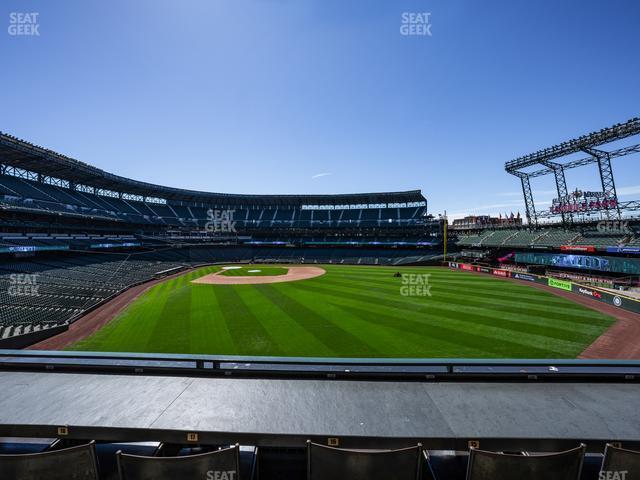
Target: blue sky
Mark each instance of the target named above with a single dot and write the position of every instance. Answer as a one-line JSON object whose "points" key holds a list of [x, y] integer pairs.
{"points": [[265, 96]]}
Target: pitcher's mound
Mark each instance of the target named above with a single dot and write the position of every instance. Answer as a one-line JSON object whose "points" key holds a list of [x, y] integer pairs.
{"points": [[294, 273]]}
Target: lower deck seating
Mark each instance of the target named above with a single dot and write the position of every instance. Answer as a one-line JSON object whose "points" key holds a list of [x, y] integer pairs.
{"points": [[46, 293]]}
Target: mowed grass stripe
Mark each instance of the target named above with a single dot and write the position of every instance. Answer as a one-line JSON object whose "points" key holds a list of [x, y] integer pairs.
{"points": [[292, 338], [352, 311], [372, 339], [462, 288], [455, 330], [245, 329], [565, 317], [525, 294], [326, 330], [491, 347], [528, 334], [208, 327], [497, 311], [175, 335], [417, 343], [466, 279]]}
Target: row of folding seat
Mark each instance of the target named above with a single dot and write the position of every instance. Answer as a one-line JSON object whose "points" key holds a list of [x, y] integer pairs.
{"points": [[23, 328], [15, 315], [323, 463]]}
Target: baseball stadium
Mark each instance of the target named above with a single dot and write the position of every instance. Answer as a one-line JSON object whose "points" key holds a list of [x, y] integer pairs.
{"points": [[319, 240], [93, 261], [106, 274]]}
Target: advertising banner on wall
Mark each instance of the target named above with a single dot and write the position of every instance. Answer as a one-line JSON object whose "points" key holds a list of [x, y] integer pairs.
{"points": [[577, 248], [30, 248], [500, 273], [619, 301], [525, 276], [628, 250], [562, 284]]}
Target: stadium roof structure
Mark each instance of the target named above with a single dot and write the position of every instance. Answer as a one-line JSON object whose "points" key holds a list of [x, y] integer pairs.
{"points": [[21, 154], [585, 144]]}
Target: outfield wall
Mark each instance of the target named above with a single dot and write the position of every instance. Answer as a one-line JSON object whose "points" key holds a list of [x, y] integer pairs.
{"points": [[619, 301]]}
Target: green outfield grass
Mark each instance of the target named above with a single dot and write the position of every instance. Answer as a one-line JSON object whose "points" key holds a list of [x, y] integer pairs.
{"points": [[255, 271], [354, 311]]}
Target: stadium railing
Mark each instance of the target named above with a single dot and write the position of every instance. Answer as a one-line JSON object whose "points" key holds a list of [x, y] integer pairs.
{"points": [[322, 368], [280, 449]]}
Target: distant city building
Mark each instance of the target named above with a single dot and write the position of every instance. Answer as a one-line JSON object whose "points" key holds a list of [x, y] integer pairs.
{"points": [[486, 221]]}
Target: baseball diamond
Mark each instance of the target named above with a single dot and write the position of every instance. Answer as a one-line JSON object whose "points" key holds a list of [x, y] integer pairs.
{"points": [[320, 240], [352, 311]]}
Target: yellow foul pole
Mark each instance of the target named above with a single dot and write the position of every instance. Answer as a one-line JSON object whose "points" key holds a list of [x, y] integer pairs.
{"points": [[444, 256]]}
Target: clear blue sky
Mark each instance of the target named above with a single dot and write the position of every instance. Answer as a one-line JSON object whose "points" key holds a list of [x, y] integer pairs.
{"points": [[264, 96]]}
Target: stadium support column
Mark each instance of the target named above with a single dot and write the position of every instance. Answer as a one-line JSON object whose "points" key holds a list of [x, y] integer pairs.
{"points": [[561, 186], [532, 219], [606, 177]]}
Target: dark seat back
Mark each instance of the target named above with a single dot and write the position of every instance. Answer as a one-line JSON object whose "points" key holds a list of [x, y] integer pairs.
{"points": [[554, 466], [221, 464], [328, 463], [75, 463], [621, 460]]}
